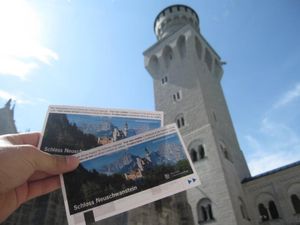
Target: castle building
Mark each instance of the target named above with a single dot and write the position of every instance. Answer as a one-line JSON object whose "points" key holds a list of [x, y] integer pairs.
{"points": [[187, 75]]}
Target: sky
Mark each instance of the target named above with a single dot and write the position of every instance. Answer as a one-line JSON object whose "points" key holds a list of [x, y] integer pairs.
{"points": [[89, 53]]}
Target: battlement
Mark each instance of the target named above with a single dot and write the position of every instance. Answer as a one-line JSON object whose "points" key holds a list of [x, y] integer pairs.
{"points": [[174, 17]]}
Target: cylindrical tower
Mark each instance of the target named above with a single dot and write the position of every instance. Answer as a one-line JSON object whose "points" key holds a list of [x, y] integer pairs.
{"points": [[187, 74], [173, 18]]}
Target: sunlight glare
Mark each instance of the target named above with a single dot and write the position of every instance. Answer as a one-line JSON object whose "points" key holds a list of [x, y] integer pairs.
{"points": [[20, 39]]}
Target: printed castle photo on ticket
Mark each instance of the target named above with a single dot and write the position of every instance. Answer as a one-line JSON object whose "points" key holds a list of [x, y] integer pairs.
{"points": [[130, 167], [69, 130]]}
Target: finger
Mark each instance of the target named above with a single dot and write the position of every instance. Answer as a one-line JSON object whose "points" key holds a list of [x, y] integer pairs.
{"points": [[23, 138], [38, 175], [51, 164], [32, 138], [41, 187]]}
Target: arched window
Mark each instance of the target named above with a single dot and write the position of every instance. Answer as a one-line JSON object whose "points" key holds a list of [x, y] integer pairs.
{"points": [[267, 206], [194, 155], [296, 203], [210, 213], [294, 193], [225, 151], [181, 45], [180, 121], [198, 47], [263, 212], [153, 65], [177, 96], [273, 210], [196, 150], [226, 155], [167, 55], [204, 210], [164, 80], [204, 213], [201, 151]]}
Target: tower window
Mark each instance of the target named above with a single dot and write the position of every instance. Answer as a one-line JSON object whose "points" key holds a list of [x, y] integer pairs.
{"points": [[273, 210], [197, 151], [167, 56], [296, 203], [164, 80], [263, 212], [268, 213], [204, 211], [181, 45], [201, 151], [177, 96], [225, 152], [194, 155], [180, 121]]}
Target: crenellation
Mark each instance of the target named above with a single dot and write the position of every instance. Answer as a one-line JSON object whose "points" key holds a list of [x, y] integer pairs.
{"points": [[174, 17]]}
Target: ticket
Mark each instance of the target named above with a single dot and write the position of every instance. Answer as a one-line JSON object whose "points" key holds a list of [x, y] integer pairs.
{"points": [[126, 174], [70, 129]]}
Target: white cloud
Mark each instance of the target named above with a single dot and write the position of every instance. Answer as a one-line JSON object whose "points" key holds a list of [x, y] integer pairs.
{"points": [[21, 99], [21, 48], [273, 146], [6, 96], [288, 97], [267, 161]]}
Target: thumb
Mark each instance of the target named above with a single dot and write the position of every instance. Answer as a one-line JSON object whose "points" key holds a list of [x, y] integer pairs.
{"points": [[51, 164]]}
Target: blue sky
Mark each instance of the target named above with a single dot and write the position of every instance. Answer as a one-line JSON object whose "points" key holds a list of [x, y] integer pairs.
{"points": [[89, 53]]}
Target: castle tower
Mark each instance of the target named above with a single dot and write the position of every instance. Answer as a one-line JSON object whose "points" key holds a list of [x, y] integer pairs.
{"points": [[186, 74], [7, 122]]}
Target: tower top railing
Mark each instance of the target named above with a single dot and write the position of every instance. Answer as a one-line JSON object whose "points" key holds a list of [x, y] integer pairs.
{"points": [[172, 18]]}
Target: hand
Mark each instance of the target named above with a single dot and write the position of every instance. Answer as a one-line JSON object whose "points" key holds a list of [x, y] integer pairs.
{"points": [[26, 172]]}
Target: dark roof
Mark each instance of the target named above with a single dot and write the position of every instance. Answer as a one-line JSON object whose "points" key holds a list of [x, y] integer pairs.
{"points": [[279, 169]]}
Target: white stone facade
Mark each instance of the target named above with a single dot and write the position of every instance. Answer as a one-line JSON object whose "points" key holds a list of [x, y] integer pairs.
{"points": [[277, 192], [186, 74]]}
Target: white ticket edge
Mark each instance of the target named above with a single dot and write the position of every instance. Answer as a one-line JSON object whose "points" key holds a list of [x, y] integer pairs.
{"points": [[82, 110], [138, 199]]}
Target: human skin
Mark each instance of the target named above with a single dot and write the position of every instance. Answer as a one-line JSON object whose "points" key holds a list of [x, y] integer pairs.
{"points": [[26, 172]]}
